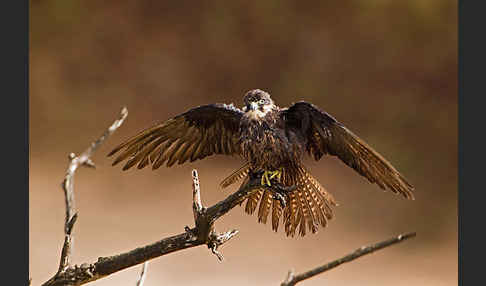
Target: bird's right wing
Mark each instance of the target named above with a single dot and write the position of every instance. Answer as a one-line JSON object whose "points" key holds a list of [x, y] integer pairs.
{"points": [[322, 134], [193, 135]]}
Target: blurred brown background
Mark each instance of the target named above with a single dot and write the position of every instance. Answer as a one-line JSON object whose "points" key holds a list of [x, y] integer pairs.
{"points": [[386, 69]]}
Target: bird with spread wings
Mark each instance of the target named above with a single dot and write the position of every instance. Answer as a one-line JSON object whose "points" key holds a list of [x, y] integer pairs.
{"points": [[272, 141]]}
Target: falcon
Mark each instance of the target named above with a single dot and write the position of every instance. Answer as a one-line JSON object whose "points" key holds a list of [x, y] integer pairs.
{"points": [[272, 141]]}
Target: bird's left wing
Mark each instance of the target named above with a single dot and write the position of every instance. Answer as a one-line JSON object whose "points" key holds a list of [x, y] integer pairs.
{"points": [[322, 134], [193, 135]]}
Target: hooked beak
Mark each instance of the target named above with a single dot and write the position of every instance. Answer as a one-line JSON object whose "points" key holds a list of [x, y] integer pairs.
{"points": [[252, 106]]}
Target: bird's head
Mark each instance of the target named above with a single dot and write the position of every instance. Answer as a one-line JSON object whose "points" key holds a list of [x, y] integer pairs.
{"points": [[257, 103]]}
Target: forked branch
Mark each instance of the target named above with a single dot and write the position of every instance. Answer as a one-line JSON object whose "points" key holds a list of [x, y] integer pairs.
{"points": [[143, 274], [68, 187], [202, 234]]}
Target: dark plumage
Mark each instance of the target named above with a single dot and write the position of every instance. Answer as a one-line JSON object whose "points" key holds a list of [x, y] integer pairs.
{"points": [[269, 139]]}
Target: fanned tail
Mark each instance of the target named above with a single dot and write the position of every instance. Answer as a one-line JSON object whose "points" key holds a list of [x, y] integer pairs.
{"points": [[308, 206]]}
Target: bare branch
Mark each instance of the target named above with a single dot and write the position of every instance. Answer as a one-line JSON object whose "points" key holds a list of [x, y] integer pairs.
{"points": [[216, 240], [204, 224], [142, 274], [68, 188], [84, 160], [202, 234], [294, 279], [67, 247], [196, 195]]}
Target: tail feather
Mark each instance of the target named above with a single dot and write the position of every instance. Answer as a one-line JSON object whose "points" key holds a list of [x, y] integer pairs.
{"points": [[265, 204], [276, 213], [307, 208], [290, 212], [304, 212], [252, 201]]}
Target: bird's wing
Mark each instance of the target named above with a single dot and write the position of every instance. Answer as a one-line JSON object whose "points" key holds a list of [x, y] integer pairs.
{"points": [[195, 134], [322, 134]]}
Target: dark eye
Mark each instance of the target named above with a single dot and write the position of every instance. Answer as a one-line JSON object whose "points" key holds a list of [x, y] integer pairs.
{"points": [[261, 101]]}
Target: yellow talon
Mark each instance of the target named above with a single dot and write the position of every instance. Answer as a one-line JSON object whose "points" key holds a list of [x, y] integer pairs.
{"points": [[267, 179], [263, 180], [268, 175], [276, 173]]}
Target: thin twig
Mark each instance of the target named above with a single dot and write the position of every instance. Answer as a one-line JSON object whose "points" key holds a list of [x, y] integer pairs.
{"points": [[68, 243], [142, 274], [68, 187], [84, 160], [196, 195], [294, 279]]}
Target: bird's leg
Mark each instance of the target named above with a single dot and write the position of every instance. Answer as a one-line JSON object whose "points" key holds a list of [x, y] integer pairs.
{"points": [[265, 181], [277, 173], [280, 192], [269, 175]]}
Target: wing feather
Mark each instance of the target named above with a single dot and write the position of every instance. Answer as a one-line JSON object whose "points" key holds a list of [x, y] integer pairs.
{"points": [[322, 134], [193, 135]]}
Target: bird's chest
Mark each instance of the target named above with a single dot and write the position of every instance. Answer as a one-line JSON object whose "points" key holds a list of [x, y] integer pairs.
{"points": [[264, 144]]}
